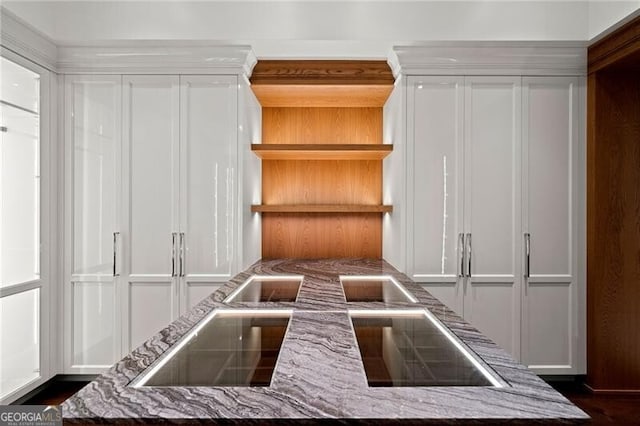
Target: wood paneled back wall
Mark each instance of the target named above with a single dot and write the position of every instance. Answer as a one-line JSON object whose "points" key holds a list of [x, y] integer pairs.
{"points": [[350, 182], [321, 235], [613, 213]]}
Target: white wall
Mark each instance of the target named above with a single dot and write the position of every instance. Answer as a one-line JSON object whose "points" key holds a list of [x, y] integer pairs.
{"points": [[605, 14], [307, 28]]}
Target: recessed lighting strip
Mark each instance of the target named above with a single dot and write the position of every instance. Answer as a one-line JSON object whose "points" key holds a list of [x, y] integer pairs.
{"points": [[454, 340], [167, 356], [238, 290], [400, 287]]}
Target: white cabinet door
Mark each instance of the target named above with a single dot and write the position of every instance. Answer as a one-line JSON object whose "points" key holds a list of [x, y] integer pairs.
{"points": [[436, 125], [150, 222], [93, 149], [550, 135], [208, 150], [493, 207]]}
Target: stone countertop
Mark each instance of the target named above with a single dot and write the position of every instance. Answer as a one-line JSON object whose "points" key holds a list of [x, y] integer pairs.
{"points": [[319, 374]]}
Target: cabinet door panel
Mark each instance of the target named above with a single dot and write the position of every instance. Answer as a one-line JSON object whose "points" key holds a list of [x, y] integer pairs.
{"points": [[550, 107], [93, 106], [208, 144], [151, 141], [195, 292], [95, 337], [547, 330], [490, 307], [447, 293], [208, 147], [150, 310], [436, 185], [152, 144], [492, 207]]}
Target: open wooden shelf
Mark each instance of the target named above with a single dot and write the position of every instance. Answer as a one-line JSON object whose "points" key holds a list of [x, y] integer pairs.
{"points": [[321, 208], [322, 151], [316, 95]]}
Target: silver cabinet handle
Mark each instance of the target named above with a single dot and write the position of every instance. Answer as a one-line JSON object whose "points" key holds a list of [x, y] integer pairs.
{"points": [[115, 254], [173, 253], [182, 254], [469, 250], [461, 249], [527, 252]]}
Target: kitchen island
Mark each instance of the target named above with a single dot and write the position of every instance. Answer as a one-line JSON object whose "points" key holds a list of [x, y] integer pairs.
{"points": [[319, 373]]}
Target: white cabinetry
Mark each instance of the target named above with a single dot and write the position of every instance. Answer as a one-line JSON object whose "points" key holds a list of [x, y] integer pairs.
{"points": [[153, 202], [180, 156], [93, 176], [551, 116], [493, 208], [464, 140], [151, 118]]}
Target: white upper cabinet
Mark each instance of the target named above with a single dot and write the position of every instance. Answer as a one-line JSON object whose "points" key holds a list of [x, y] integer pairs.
{"points": [[492, 207], [154, 200], [93, 149], [150, 209], [464, 139], [436, 130], [551, 134], [208, 199]]}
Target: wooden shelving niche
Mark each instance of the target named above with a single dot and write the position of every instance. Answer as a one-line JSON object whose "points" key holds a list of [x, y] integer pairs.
{"points": [[322, 150]]}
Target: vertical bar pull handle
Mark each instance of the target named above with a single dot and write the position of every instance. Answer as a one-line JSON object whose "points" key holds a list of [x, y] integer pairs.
{"points": [[182, 254], [173, 253], [461, 252], [469, 251], [527, 252], [115, 254]]}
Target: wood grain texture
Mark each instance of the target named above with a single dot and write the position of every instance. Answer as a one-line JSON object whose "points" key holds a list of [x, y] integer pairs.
{"points": [[322, 72], [322, 182], [321, 125], [321, 151], [322, 103], [321, 208], [618, 46], [613, 229], [319, 235], [276, 95]]}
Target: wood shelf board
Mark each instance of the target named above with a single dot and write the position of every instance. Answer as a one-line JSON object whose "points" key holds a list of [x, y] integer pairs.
{"points": [[322, 151], [322, 95], [321, 208], [322, 72]]}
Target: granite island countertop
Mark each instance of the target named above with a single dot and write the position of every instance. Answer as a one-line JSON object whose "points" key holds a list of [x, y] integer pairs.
{"points": [[319, 373]]}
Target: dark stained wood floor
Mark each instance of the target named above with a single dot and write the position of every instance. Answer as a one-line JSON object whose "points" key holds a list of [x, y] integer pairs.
{"points": [[620, 410], [604, 410]]}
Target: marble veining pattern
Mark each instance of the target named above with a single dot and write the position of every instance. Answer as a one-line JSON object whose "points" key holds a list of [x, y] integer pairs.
{"points": [[319, 373]]}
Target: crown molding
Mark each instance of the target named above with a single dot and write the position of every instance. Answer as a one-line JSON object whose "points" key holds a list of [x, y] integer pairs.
{"points": [[22, 39], [156, 57], [491, 58]]}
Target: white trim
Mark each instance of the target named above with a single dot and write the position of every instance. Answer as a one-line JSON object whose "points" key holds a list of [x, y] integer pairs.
{"points": [[22, 39], [46, 284], [157, 57], [492, 58]]}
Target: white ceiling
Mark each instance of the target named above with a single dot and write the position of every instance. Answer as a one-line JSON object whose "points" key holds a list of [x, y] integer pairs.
{"points": [[278, 29]]}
